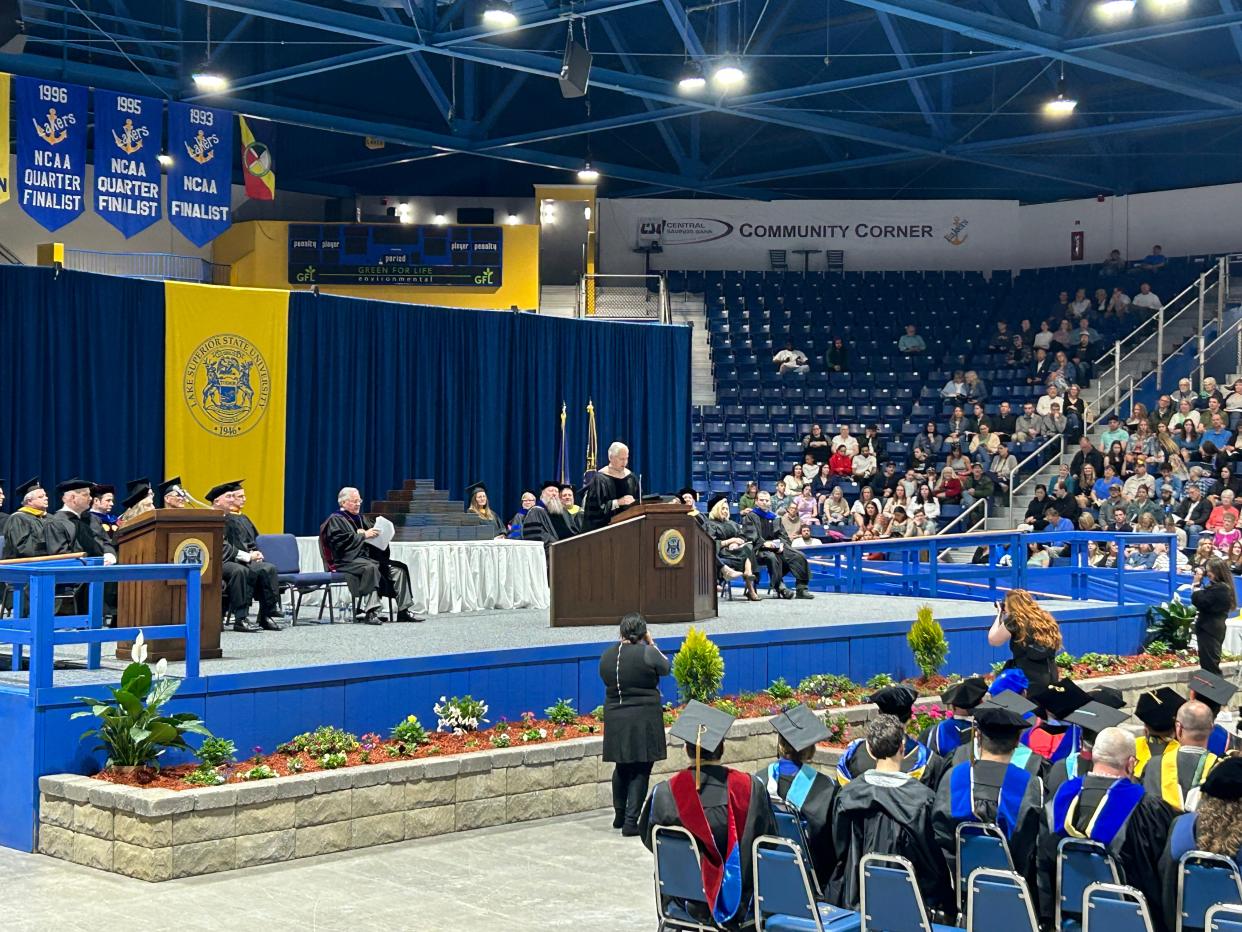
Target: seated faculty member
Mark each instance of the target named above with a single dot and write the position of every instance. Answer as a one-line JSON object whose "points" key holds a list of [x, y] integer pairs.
{"points": [[612, 489], [344, 541], [774, 550], [241, 540], [548, 522], [24, 532], [477, 505]]}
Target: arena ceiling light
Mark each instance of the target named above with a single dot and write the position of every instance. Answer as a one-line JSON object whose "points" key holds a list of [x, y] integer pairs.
{"points": [[1063, 104], [499, 15], [1169, 7], [164, 159], [728, 75], [206, 78], [587, 174], [691, 79], [1114, 9]]}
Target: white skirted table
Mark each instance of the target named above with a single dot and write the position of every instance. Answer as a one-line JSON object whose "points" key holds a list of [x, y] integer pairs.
{"points": [[1233, 636], [459, 576]]}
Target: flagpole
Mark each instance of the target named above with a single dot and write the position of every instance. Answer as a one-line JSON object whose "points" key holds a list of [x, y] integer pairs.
{"points": [[592, 448], [563, 457]]}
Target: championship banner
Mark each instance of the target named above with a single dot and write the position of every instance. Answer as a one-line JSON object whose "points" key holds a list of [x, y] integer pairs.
{"points": [[4, 137], [129, 134], [51, 150], [200, 141], [257, 168], [225, 364]]}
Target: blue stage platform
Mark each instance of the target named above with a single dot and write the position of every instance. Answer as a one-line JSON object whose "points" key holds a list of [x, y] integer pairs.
{"points": [[857, 634]]}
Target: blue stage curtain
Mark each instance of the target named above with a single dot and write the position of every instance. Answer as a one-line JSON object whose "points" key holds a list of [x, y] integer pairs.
{"points": [[382, 392], [81, 376]]}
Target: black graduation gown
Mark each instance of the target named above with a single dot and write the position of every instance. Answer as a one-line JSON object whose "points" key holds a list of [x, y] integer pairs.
{"points": [[545, 527], [759, 530], [633, 706], [261, 583], [497, 525], [721, 531], [989, 777], [886, 813], [1059, 772], [66, 532], [24, 535], [1136, 848], [104, 529], [660, 809], [816, 814], [369, 569], [1189, 762], [601, 491], [1029, 761], [931, 737], [857, 760]]}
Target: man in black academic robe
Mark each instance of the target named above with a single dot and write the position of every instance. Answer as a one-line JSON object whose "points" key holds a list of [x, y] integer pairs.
{"points": [[992, 790], [1157, 710], [917, 760], [1133, 827], [241, 545], [794, 781], [610, 491], [24, 532], [548, 521], [345, 542], [946, 736], [69, 531], [886, 811], [1176, 774], [774, 549], [702, 800]]}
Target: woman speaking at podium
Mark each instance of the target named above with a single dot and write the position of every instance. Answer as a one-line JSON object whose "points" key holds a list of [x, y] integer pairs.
{"points": [[611, 490]]}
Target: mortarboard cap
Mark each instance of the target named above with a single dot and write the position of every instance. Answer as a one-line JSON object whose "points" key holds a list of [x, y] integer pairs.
{"points": [[1108, 695], [967, 694], [72, 485], [1207, 685], [20, 492], [1062, 698], [1012, 680], [133, 485], [1225, 780], [566, 485], [471, 489], [996, 720], [136, 494], [719, 496], [702, 726], [800, 727], [1012, 701], [550, 484], [687, 491], [99, 491], [164, 488], [895, 700], [1157, 709], [1096, 716], [223, 489], [531, 492]]}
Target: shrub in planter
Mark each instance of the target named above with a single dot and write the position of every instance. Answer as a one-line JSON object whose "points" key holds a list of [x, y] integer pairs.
{"points": [[562, 713], [698, 668], [1065, 660], [927, 641], [323, 740], [1171, 622], [215, 752], [880, 680], [460, 714], [410, 732], [826, 685], [780, 690]]}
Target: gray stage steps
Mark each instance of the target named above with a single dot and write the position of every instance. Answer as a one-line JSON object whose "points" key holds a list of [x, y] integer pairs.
{"points": [[421, 512]]}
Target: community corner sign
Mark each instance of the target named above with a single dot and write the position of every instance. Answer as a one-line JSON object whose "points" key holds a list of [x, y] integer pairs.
{"points": [[51, 150], [200, 141]]}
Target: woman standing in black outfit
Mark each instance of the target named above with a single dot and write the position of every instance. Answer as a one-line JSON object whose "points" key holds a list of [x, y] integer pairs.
{"points": [[1033, 635], [633, 717], [1215, 600]]}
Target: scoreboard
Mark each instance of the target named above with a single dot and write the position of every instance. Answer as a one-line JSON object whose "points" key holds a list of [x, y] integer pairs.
{"points": [[394, 254]]}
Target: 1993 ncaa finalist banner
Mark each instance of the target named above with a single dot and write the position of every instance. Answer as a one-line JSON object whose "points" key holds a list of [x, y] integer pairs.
{"points": [[51, 150], [200, 141], [129, 134]]}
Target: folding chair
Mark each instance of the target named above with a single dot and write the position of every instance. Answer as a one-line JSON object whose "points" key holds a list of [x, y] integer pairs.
{"points": [[1224, 917], [678, 880], [889, 898], [784, 898], [789, 825], [1114, 907], [978, 845], [999, 899], [1080, 863], [1203, 881], [282, 551]]}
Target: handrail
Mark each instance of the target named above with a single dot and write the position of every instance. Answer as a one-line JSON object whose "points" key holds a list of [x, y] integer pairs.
{"points": [[1059, 438], [1193, 285], [978, 502]]}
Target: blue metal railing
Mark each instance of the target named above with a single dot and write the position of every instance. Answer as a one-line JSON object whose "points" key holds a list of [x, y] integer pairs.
{"points": [[35, 625], [912, 566], [158, 265]]}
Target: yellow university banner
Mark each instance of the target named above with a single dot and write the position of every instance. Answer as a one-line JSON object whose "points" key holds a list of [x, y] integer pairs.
{"points": [[226, 361], [4, 138]]}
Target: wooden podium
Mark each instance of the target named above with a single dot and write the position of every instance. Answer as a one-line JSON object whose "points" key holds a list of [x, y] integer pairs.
{"points": [[653, 558], [172, 535]]}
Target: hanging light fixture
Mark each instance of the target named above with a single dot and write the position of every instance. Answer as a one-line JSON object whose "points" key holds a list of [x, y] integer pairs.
{"points": [[1169, 7], [691, 79], [499, 14], [728, 74], [207, 79], [1114, 9], [1063, 104], [587, 174]]}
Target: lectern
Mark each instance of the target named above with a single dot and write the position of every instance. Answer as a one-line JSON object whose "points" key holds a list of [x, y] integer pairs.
{"points": [[653, 558], [172, 535]]}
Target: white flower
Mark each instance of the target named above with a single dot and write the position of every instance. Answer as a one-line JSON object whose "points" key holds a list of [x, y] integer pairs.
{"points": [[161, 668], [138, 653]]}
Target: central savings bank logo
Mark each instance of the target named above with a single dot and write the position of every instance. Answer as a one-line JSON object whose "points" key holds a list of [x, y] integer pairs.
{"points": [[227, 385]]}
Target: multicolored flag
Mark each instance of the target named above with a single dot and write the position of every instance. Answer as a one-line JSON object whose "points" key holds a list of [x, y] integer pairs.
{"points": [[257, 167]]}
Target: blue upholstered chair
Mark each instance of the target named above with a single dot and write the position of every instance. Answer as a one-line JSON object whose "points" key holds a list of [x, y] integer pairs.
{"points": [[281, 550], [999, 899]]}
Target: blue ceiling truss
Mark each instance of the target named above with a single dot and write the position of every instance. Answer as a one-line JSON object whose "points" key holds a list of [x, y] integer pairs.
{"points": [[864, 98]]}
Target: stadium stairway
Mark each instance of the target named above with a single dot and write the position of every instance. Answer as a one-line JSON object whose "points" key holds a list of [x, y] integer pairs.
{"points": [[558, 300], [688, 309], [421, 512]]}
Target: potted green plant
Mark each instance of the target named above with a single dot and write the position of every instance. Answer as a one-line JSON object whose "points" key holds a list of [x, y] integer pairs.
{"points": [[1171, 622]]}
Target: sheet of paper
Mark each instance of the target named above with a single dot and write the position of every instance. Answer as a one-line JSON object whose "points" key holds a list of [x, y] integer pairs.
{"points": [[386, 532]]}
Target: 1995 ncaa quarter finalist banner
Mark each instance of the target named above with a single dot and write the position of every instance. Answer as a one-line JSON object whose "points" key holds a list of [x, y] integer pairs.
{"points": [[129, 134], [200, 141], [51, 150]]}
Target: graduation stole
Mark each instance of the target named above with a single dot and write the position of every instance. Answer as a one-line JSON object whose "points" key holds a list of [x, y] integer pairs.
{"points": [[35, 512], [921, 756], [804, 779], [722, 876], [1171, 787], [1069, 743], [1110, 816], [765, 515], [1012, 792], [844, 775], [949, 735], [1219, 742]]}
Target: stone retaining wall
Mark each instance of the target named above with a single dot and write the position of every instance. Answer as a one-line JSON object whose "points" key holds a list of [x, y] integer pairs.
{"points": [[160, 834]]}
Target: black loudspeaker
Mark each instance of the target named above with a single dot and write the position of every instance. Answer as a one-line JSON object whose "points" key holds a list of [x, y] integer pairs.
{"points": [[476, 215], [575, 70], [12, 30]]}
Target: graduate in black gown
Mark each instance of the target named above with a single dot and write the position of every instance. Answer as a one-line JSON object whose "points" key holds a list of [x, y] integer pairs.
{"points": [[1176, 775], [1091, 719], [477, 505], [724, 809], [917, 759], [610, 491], [810, 793], [548, 521], [774, 549], [992, 790], [1214, 691], [241, 545], [69, 530], [24, 532], [1107, 806], [1054, 737], [949, 734], [886, 811], [528, 500], [1157, 710], [734, 553]]}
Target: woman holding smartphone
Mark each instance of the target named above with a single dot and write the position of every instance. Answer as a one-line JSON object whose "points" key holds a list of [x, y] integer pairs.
{"points": [[1033, 636], [1214, 596]]}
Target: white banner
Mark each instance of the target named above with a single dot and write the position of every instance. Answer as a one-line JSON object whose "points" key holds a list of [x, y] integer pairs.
{"points": [[872, 235]]}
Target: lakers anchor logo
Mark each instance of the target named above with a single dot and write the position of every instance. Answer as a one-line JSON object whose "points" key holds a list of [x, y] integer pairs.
{"points": [[56, 129], [671, 547], [202, 150], [227, 385], [957, 234], [129, 139]]}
